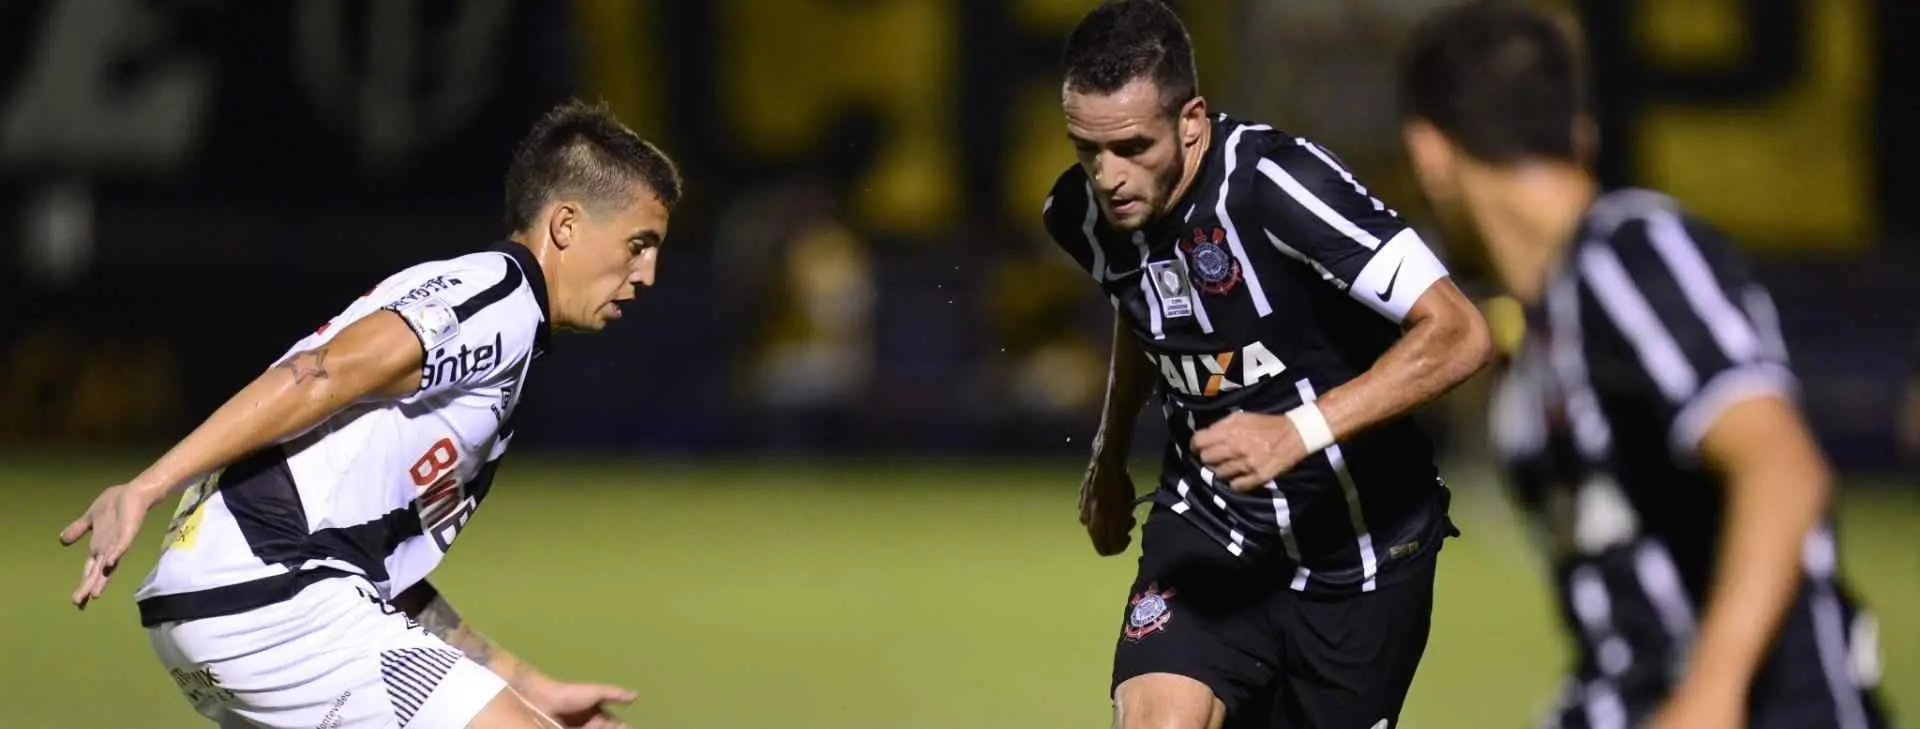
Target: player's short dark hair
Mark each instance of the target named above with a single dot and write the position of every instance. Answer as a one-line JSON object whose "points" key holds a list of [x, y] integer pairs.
{"points": [[1499, 78], [581, 150], [1124, 40]]}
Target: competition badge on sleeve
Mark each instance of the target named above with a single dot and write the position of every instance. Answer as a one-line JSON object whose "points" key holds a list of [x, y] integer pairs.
{"points": [[433, 320]]}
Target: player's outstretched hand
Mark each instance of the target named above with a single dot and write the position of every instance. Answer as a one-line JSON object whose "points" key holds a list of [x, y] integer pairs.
{"points": [[114, 520], [1249, 449], [1106, 507], [581, 705]]}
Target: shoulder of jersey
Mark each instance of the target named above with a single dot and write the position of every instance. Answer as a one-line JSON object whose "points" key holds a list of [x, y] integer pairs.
{"points": [[437, 296], [1291, 151], [1614, 211], [1069, 192]]}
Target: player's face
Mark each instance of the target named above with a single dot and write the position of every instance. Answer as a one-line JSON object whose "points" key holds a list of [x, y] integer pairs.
{"points": [[612, 253], [1132, 149], [1437, 162]]}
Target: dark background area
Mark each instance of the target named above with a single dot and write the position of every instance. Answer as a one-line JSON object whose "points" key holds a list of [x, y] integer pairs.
{"points": [[187, 187]]}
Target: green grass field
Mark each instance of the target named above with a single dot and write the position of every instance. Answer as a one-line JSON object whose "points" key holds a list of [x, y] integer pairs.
{"points": [[941, 595]]}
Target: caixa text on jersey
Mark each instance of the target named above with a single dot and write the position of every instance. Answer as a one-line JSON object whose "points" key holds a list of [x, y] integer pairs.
{"points": [[1211, 374]]}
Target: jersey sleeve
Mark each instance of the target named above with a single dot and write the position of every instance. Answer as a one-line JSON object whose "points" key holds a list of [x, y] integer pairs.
{"points": [[473, 322], [1684, 320], [1311, 208], [1070, 215]]}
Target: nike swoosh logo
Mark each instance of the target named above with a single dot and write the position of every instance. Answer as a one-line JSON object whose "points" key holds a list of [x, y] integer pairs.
{"points": [[1387, 293]]}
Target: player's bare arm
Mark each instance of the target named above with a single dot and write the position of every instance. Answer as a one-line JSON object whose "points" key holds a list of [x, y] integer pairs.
{"points": [[1106, 496], [574, 705], [1444, 341], [376, 357], [1777, 487]]}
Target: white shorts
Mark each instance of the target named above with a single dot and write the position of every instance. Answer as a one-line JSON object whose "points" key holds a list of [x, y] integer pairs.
{"points": [[333, 657]]}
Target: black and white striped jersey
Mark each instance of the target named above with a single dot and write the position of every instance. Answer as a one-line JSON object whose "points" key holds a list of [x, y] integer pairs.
{"points": [[378, 489], [1649, 329], [1277, 277]]}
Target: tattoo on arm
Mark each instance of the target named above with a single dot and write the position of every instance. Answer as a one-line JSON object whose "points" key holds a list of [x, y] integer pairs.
{"points": [[310, 365], [440, 619]]}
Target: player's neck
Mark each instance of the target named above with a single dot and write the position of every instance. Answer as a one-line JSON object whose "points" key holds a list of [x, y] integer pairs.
{"points": [[1528, 215], [1191, 171], [543, 253]]}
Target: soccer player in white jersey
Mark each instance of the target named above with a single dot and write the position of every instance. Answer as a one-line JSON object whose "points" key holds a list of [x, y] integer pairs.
{"points": [[291, 591]]}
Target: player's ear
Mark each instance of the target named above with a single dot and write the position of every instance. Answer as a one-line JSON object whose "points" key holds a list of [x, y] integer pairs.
{"points": [[1433, 157], [1193, 120], [563, 223], [1586, 138]]}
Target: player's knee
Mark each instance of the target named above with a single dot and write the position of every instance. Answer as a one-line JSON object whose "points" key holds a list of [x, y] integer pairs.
{"points": [[508, 711], [1166, 701]]}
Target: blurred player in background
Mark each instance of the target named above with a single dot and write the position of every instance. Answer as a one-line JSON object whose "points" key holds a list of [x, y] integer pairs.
{"points": [[291, 591], [1292, 322], [1648, 418]]}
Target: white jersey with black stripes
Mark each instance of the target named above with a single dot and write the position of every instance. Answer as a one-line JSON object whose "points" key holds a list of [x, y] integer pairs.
{"points": [[379, 489]]}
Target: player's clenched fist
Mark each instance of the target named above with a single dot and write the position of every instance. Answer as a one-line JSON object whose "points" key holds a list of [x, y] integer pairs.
{"points": [[1249, 449], [114, 519], [1106, 507]]}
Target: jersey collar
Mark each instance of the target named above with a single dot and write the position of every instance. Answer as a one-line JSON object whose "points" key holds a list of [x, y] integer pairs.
{"points": [[537, 280]]}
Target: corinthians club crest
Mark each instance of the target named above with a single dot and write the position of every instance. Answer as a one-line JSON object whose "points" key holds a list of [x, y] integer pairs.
{"points": [[1213, 268], [1150, 612]]}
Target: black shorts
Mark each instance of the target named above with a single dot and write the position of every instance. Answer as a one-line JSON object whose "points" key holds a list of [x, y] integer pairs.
{"points": [[1276, 657]]}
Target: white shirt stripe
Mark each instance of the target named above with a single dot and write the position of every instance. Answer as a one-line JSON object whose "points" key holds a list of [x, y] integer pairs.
{"points": [[1635, 319], [1591, 433], [1283, 517], [1345, 174], [1148, 292], [1766, 319], [1199, 306], [1319, 208], [1252, 276], [1369, 562], [1702, 291], [1093, 241], [1295, 254], [1660, 579], [1830, 641]]}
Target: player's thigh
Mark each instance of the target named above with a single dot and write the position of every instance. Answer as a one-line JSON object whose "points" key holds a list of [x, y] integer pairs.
{"points": [[1349, 661], [1194, 613], [333, 657], [1166, 701]]}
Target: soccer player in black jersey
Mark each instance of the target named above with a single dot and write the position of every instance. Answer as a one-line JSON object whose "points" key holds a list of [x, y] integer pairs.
{"points": [[1648, 418], [1290, 322]]}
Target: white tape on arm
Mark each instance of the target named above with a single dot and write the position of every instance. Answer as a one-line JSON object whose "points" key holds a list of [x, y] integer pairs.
{"points": [[1312, 425]]}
